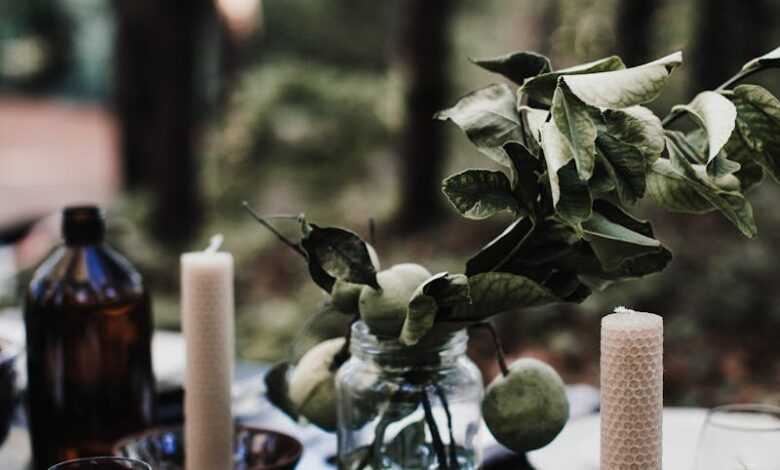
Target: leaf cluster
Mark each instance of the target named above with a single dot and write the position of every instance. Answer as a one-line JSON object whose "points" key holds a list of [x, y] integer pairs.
{"points": [[577, 149]]}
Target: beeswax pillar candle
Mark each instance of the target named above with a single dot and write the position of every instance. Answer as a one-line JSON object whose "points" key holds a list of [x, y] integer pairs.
{"points": [[207, 323], [631, 390]]}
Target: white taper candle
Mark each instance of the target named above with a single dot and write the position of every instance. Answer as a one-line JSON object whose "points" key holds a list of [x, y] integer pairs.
{"points": [[631, 390], [207, 323]]}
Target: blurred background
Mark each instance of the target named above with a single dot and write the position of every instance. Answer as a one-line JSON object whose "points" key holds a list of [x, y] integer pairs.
{"points": [[169, 114]]}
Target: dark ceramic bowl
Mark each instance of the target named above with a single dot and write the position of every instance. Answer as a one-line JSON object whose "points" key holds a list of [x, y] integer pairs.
{"points": [[8, 355], [254, 449]]}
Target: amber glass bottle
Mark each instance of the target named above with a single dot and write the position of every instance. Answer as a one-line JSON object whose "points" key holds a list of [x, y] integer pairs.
{"points": [[89, 364]]}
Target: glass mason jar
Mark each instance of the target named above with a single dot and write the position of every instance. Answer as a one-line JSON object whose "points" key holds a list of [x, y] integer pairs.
{"points": [[403, 407]]}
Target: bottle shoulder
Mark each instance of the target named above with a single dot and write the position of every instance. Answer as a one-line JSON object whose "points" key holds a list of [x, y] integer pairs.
{"points": [[85, 274]]}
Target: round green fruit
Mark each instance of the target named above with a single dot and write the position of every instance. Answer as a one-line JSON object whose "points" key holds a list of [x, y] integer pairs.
{"points": [[344, 294], [312, 385], [527, 408], [384, 310]]}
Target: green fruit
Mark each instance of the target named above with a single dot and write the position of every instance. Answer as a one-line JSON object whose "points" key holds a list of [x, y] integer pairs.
{"points": [[344, 294], [384, 310], [312, 385], [412, 270], [526, 409]]}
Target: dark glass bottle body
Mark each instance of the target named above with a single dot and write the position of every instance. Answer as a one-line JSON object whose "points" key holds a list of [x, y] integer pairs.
{"points": [[89, 364]]}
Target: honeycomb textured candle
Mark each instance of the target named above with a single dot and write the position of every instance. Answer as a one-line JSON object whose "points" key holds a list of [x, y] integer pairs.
{"points": [[631, 390], [207, 317]]}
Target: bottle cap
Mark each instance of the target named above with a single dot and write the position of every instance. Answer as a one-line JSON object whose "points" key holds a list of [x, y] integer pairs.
{"points": [[82, 225]]}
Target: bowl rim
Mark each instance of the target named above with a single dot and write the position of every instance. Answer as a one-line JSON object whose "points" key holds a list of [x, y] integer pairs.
{"points": [[291, 459]]}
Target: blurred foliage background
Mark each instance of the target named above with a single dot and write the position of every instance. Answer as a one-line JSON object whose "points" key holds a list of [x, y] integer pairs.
{"points": [[324, 107]]}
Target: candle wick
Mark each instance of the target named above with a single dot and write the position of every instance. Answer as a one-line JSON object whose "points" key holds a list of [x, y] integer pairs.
{"points": [[215, 243]]}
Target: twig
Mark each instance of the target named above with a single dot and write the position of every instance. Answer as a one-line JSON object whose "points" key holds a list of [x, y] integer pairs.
{"points": [[452, 447], [438, 445], [295, 247], [372, 231], [500, 357], [739, 76]]}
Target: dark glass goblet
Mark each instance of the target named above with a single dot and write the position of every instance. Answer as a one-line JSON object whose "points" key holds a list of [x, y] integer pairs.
{"points": [[102, 463]]}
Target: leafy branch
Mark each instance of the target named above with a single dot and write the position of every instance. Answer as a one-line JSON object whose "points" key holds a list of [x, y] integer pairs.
{"points": [[767, 61], [576, 149]]}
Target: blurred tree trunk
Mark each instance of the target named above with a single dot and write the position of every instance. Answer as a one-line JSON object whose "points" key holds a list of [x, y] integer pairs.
{"points": [[424, 50], [157, 98], [728, 34], [634, 25]]}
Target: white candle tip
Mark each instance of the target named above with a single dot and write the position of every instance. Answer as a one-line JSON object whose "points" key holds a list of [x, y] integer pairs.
{"points": [[215, 243]]}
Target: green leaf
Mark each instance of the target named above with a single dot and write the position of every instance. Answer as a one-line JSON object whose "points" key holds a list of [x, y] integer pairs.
{"points": [[339, 254], [758, 121], [405, 446], [637, 126], [625, 166], [479, 194], [516, 66], [570, 195], [496, 253], [678, 185], [542, 87], [277, 389], [770, 59], [627, 87], [440, 292], [752, 163], [526, 170], [717, 116], [673, 191], [623, 261], [489, 118], [572, 117], [601, 227], [624, 245], [544, 258], [532, 120], [493, 293]]}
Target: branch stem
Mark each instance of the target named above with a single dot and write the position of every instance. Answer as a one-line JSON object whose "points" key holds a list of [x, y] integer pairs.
{"points": [[453, 448], [438, 444], [500, 356], [262, 221]]}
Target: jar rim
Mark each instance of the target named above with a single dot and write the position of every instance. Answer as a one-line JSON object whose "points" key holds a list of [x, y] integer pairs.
{"points": [[363, 343]]}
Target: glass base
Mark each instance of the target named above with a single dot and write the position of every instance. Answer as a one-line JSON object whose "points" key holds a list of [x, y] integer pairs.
{"points": [[421, 458]]}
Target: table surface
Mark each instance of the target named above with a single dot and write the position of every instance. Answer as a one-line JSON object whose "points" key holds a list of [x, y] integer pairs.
{"points": [[251, 407]]}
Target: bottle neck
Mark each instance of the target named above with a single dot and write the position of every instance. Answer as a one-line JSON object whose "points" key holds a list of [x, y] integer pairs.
{"points": [[82, 226], [434, 351]]}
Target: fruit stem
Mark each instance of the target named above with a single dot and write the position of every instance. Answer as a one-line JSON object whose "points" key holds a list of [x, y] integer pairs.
{"points": [[294, 246], [343, 355], [452, 447], [438, 445], [500, 356]]}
